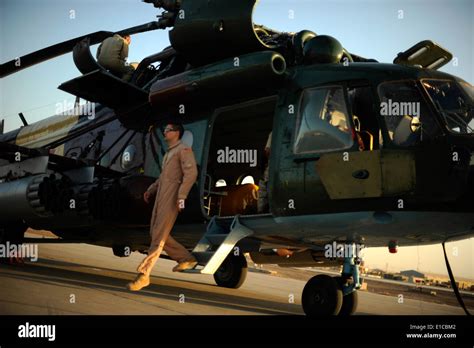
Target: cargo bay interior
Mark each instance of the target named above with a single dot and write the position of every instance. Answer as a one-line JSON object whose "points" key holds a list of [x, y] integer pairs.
{"points": [[237, 160]]}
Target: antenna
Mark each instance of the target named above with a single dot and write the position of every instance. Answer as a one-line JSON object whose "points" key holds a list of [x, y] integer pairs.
{"points": [[23, 119]]}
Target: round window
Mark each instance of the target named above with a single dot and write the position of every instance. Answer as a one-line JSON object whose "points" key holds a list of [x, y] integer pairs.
{"points": [[221, 183], [248, 180]]}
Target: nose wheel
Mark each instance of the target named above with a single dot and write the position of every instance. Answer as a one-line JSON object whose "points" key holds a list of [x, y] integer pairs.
{"points": [[232, 272]]}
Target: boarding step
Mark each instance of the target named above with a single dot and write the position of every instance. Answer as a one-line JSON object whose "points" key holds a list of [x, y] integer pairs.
{"points": [[221, 236], [203, 257]]}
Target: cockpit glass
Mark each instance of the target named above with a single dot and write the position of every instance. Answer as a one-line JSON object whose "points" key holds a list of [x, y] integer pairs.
{"points": [[406, 114], [468, 88], [455, 107], [323, 121]]}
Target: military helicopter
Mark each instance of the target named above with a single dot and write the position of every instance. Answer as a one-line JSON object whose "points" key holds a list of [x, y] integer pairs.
{"points": [[362, 152]]}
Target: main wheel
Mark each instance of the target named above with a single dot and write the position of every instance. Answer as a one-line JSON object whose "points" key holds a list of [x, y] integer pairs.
{"points": [[232, 272], [322, 296], [349, 301]]}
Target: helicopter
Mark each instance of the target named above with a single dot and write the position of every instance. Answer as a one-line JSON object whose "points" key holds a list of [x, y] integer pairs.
{"points": [[362, 152]]}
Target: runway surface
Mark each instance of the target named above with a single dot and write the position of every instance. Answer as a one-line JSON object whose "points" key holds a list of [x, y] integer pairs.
{"points": [[86, 279]]}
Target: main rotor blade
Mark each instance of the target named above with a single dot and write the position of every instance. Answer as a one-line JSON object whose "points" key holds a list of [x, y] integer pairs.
{"points": [[47, 53], [59, 49]]}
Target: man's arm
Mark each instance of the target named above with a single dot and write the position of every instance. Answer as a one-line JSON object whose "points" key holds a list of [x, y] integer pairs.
{"points": [[153, 187], [189, 168], [151, 190], [124, 51]]}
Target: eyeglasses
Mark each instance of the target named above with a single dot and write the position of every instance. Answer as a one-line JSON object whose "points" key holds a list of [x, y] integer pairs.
{"points": [[168, 129]]}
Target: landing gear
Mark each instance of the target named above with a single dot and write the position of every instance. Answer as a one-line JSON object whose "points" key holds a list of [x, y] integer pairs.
{"points": [[349, 301], [232, 272], [322, 296], [349, 304], [350, 270]]}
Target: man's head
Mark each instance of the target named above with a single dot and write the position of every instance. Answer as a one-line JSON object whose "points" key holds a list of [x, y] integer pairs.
{"points": [[173, 132], [127, 38]]}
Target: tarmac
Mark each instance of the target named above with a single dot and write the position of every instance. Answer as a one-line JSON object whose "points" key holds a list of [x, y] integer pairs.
{"points": [[86, 279]]}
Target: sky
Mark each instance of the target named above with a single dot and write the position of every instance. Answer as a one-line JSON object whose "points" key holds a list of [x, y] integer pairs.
{"points": [[371, 28]]}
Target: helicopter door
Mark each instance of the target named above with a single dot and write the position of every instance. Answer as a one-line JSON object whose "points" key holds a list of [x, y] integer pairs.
{"points": [[364, 170], [320, 128], [235, 163], [327, 128]]}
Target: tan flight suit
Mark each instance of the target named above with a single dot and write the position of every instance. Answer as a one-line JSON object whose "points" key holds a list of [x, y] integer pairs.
{"points": [[178, 174], [112, 54]]}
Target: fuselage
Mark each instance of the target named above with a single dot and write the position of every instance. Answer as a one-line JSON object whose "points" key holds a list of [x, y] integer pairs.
{"points": [[339, 168]]}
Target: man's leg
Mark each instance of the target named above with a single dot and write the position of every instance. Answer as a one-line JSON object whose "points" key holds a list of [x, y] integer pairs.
{"points": [[159, 236], [180, 254], [176, 251], [145, 267], [127, 73], [149, 261], [120, 69]]}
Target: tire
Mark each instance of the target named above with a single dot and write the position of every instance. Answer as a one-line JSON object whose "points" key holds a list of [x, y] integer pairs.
{"points": [[322, 296], [232, 272], [349, 302]]}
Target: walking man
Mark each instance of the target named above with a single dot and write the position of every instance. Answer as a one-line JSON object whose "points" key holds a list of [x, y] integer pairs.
{"points": [[178, 174]]}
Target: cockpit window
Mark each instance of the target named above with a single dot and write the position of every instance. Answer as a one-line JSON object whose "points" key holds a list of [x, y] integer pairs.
{"points": [[323, 123], [468, 88], [406, 114], [455, 107]]}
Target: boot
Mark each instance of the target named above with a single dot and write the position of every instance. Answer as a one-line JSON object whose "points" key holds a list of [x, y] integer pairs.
{"points": [[182, 266], [140, 282]]}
